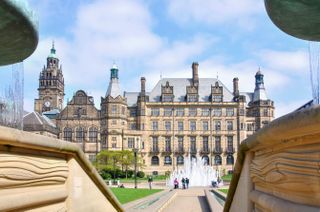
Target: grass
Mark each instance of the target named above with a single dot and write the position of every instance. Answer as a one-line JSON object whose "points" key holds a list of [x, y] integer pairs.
{"points": [[145, 179], [224, 190], [227, 177], [125, 195]]}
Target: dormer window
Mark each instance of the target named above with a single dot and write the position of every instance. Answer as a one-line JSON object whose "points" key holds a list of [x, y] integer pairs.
{"points": [[192, 93], [216, 93], [167, 93]]}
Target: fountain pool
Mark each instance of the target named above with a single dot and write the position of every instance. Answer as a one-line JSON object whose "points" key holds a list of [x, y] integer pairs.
{"points": [[198, 172]]}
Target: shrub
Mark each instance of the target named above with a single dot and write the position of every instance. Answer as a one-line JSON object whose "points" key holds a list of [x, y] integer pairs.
{"points": [[140, 174]]}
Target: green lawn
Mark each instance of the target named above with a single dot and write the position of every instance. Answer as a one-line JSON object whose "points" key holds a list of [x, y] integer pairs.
{"points": [[125, 195], [224, 190], [227, 177]]}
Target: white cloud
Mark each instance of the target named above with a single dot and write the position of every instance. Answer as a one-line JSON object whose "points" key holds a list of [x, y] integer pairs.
{"points": [[283, 108], [214, 12], [291, 62]]}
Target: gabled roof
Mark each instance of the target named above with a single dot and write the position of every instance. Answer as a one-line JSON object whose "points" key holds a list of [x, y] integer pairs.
{"points": [[35, 122], [180, 85]]}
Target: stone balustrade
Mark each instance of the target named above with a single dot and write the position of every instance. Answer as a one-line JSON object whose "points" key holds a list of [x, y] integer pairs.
{"points": [[39, 173], [278, 168]]}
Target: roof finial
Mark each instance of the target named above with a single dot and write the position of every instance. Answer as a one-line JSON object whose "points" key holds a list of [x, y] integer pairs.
{"points": [[53, 50], [217, 75]]}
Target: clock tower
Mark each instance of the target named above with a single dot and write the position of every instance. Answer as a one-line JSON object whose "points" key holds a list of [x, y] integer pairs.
{"points": [[51, 85]]}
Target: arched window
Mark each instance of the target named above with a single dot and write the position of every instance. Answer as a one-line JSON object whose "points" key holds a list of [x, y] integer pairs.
{"points": [[230, 160], [155, 160], [193, 158], [67, 134], [167, 160], [217, 160], [180, 160], [93, 135], [79, 134], [205, 160]]}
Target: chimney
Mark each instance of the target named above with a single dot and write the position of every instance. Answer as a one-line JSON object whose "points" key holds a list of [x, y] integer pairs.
{"points": [[143, 85], [195, 74], [236, 86]]}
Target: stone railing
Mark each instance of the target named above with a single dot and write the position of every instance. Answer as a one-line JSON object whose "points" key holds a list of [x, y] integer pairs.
{"points": [[278, 168], [45, 174]]}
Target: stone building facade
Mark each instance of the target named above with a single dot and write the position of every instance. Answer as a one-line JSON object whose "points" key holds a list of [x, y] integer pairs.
{"points": [[179, 119]]}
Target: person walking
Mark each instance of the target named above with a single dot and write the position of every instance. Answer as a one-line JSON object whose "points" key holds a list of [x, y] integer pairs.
{"points": [[176, 183], [150, 182], [183, 183], [187, 182]]}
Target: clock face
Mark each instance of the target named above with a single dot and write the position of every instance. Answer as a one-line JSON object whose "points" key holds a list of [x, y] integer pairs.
{"points": [[47, 103]]}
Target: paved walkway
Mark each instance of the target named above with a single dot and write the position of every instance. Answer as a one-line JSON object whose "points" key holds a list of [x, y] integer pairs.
{"points": [[192, 199]]}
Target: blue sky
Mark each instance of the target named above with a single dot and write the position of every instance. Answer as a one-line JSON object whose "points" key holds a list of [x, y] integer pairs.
{"points": [[229, 38]]}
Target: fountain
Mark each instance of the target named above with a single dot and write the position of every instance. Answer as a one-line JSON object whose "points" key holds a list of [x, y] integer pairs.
{"points": [[198, 172], [11, 95]]}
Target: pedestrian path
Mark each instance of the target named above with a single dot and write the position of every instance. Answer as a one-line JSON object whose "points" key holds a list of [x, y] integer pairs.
{"points": [[192, 199]]}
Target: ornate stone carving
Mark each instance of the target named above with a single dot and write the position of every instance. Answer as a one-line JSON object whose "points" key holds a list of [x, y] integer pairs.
{"points": [[26, 171], [289, 173]]}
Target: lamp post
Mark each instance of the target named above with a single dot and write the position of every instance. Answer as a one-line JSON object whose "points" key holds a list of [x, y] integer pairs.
{"points": [[135, 151]]}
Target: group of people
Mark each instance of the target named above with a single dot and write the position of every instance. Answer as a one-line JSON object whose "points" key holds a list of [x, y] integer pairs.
{"points": [[184, 181]]}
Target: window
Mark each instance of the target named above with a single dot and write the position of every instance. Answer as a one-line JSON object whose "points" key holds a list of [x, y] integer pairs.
{"points": [[180, 143], [79, 134], [155, 142], [67, 134], [167, 98], [230, 144], [114, 145], [155, 111], [217, 140], [167, 160], [192, 111], [250, 126], [205, 111], [113, 109], [93, 135], [168, 144], [167, 125], [205, 143], [193, 126], [131, 142], [133, 126], [205, 160], [180, 112], [167, 112], [217, 160], [205, 125], [155, 160], [192, 98], [229, 125], [217, 98], [193, 144], [180, 160], [92, 158], [133, 112], [217, 125], [217, 112], [230, 160], [180, 125], [265, 112], [229, 112], [114, 122], [123, 110], [154, 125]]}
